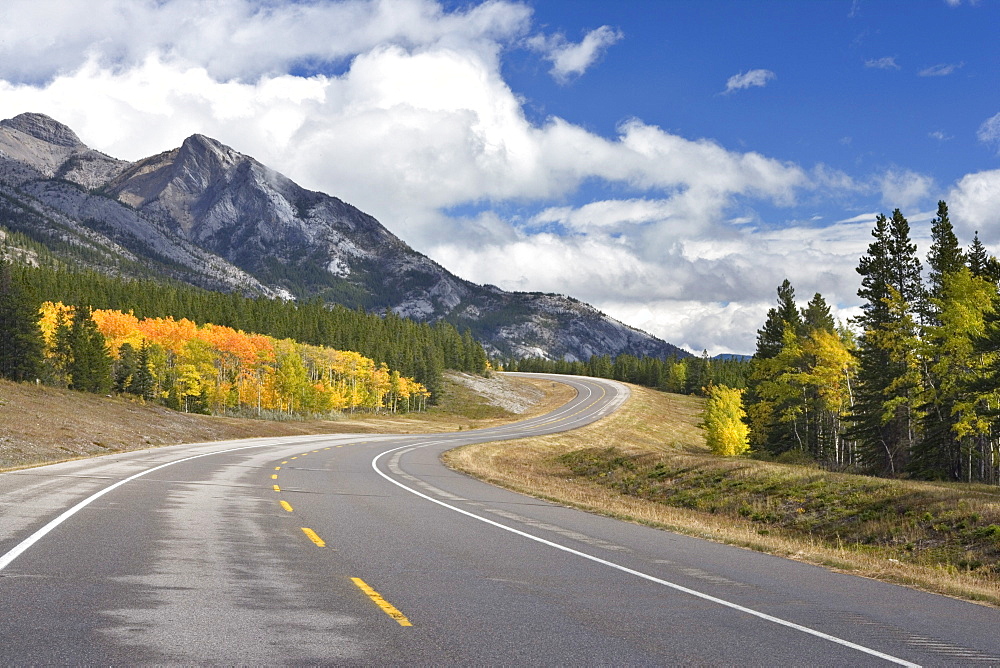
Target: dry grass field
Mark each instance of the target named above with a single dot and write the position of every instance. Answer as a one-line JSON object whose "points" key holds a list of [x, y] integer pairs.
{"points": [[648, 463], [41, 425]]}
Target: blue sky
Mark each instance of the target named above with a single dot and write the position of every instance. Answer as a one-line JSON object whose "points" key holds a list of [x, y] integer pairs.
{"points": [[670, 162]]}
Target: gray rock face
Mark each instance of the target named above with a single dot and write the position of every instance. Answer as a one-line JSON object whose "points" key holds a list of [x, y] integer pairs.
{"points": [[208, 215]]}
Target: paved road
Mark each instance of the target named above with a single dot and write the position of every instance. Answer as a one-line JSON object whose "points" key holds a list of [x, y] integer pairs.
{"points": [[366, 550]]}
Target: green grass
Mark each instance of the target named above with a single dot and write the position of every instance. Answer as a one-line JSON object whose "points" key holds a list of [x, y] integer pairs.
{"points": [[919, 523]]}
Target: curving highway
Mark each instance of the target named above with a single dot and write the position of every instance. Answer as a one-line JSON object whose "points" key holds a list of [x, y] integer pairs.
{"points": [[365, 550]]}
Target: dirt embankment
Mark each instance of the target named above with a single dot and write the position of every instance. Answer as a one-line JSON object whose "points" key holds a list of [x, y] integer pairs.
{"points": [[41, 424]]}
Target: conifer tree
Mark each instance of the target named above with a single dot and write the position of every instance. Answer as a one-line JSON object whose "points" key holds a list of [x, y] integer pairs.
{"points": [[784, 316], [981, 263], [90, 363], [816, 315], [21, 342], [884, 413]]}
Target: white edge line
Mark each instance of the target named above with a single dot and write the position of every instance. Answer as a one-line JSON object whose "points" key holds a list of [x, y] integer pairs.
{"points": [[645, 576], [19, 549]]}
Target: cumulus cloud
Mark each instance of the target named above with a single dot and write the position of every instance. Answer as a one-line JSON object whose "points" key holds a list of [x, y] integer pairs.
{"points": [[569, 59], [749, 79], [409, 115], [904, 189], [235, 39], [974, 205], [886, 63]]}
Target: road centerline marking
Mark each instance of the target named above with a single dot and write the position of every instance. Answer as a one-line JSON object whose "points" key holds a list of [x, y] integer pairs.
{"points": [[314, 537], [376, 598]]}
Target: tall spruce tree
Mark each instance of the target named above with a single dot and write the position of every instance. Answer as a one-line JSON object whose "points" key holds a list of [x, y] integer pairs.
{"points": [[774, 406], [21, 343], [981, 262], [816, 315], [944, 350], [784, 316], [90, 366], [884, 413]]}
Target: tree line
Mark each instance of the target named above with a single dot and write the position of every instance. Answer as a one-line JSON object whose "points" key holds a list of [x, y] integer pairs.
{"points": [[681, 375], [911, 387], [421, 351]]}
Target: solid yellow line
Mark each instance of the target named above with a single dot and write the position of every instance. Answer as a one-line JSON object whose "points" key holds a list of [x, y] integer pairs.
{"points": [[277, 489], [387, 607], [287, 506], [313, 537]]}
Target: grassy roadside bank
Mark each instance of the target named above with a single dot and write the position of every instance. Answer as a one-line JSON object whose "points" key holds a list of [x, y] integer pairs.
{"points": [[42, 425], [648, 463]]}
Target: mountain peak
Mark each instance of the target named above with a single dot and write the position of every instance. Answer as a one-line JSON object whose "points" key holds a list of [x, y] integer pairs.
{"points": [[44, 128]]}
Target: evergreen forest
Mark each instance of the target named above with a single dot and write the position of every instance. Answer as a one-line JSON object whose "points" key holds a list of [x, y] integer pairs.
{"points": [[417, 352], [911, 387]]}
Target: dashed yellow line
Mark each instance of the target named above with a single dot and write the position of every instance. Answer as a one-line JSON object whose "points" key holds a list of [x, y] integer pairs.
{"points": [[277, 489], [277, 468], [313, 537], [387, 607], [274, 476], [285, 462], [287, 506]]}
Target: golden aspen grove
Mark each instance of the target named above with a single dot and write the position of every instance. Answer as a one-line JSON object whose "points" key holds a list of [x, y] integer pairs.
{"points": [[220, 369]]}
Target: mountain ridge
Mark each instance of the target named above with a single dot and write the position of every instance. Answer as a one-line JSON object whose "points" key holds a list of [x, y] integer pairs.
{"points": [[206, 214]]}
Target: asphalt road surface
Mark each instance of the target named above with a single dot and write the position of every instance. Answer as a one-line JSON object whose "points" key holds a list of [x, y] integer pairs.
{"points": [[365, 550]]}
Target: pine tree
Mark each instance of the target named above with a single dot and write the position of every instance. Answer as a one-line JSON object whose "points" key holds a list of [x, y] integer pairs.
{"points": [[982, 264], [884, 413], [784, 316], [945, 255], [816, 316], [90, 365], [21, 343]]}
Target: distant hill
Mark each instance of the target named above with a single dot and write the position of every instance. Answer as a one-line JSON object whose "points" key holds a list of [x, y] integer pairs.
{"points": [[209, 216]]}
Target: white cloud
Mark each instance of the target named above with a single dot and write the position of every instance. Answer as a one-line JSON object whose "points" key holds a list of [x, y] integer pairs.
{"points": [[569, 59], [974, 205], [417, 118], [989, 131], [904, 189], [749, 79], [941, 70], [235, 39], [940, 135], [886, 63]]}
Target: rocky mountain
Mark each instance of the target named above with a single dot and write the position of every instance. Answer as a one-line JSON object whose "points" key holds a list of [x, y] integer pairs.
{"points": [[210, 216]]}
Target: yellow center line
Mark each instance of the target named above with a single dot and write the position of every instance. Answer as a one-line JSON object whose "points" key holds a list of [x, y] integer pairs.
{"points": [[287, 506], [313, 537], [274, 476], [285, 462], [294, 457], [277, 489], [277, 468], [315, 450], [304, 454], [387, 607]]}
